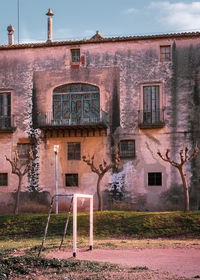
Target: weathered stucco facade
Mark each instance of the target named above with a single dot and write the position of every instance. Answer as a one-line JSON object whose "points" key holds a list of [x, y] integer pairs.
{"points": [[150, 102]]}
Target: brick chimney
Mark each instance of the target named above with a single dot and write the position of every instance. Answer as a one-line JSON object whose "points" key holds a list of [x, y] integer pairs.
{"points": [[49, 24], [11, 31]]}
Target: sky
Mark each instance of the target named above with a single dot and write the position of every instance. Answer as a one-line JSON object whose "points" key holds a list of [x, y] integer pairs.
{"points": [[78, 19]]}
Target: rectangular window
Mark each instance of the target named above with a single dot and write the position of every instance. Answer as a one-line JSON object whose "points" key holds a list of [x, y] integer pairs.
{"points": [[165, 53], [127, 148], [75, 55], [3, 179], [23, 150], [151, 104], [5, 109], [155, 179], [71, 180], [74, 151]]}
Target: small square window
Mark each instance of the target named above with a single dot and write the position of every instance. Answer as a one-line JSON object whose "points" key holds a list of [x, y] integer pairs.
{"points": [[71, 180], [155, 179], [127, 148], [75, 55], [3, 179], [165, 53], [74, 151], [23, 150]]}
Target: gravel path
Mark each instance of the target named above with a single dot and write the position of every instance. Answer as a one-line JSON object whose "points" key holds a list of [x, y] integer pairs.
{"points": [[180, 261]]}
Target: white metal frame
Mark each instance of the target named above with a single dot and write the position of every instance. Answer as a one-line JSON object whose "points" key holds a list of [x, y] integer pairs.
{"points": [[75, 197]]}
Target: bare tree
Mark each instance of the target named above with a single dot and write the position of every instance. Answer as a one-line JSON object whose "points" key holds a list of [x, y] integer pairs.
{"points": [[20, 168], [101, 171], [184, 157]]}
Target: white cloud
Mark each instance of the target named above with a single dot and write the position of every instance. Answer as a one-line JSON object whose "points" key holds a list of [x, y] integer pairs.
{"points": [[130, 11], [178, 15]]}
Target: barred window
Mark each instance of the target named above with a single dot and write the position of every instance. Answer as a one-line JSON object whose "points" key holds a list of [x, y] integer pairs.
{"points": [[155, 179], [74, 151], [3, 179], [127, 148], [165, 53], [71, 180], [151, 104], [75, 55]]}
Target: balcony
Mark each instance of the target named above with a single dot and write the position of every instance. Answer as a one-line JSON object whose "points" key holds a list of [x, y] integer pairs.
{"points": [[47, 121], [151, 119], [7, 123]]}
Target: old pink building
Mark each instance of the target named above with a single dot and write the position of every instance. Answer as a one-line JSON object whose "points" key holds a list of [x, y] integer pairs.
{"points": [[140, 94]]}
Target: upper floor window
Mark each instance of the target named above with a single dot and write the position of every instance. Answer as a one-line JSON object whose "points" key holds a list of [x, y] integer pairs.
{"points": [[127, 148], [5, 109], [75, 53], [3, 179], [73, 151], [165, 53], [151, 104], [76, 103]]}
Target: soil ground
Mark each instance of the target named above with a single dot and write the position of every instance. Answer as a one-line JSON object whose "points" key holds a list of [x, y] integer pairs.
{"points": [[181, 261]]}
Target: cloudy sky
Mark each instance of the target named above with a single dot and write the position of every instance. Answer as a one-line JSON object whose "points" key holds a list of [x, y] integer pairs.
{"points": [[81, 18]]}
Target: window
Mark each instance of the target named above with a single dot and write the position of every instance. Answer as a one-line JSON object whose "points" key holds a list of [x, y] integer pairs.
{"points": [[127, 148], [155, 179], [165, 53], [75, 55], [73, 151], [5, 109], [3, 179], [151, 104], [71, 180], [23, 150], [76, 103]]}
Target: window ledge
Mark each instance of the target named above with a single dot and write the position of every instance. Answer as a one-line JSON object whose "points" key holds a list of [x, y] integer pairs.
{"points": [[151, 125], [7, 129]]}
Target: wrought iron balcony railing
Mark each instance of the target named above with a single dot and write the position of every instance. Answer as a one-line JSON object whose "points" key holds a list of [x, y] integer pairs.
{"points": [[47, 120], [7, 123], [151, 119]]}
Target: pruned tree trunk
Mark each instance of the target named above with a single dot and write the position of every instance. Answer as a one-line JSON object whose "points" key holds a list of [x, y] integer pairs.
{"points": [[100, 203], [16, 211], [20, 170], [184, 157], [101, 171], [185, 188]]}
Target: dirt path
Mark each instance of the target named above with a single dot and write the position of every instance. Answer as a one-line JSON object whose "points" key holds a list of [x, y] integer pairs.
{"points": [[180, 261]]}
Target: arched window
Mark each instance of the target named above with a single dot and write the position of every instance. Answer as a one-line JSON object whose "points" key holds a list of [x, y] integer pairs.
{"points": [[76, 102]]}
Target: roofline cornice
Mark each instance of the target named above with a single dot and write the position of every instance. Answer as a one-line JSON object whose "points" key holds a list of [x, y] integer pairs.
{"points": [[101, 41]]}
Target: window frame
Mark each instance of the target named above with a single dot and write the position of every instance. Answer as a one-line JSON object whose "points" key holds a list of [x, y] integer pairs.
{"points": [[70, 104], [163, 55], [3, 179], [127, 153], [76, 58], [74, 175], [6, 109], [73, 155], [157, 181], [159, 112], [23, 153]]}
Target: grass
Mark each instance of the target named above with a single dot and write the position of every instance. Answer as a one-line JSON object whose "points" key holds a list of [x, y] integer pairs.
{"points": [[22, 234], [106, 223]]}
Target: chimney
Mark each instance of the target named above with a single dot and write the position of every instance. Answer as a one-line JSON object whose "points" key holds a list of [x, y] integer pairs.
{"points": [[11, 31], [50, 15]]}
